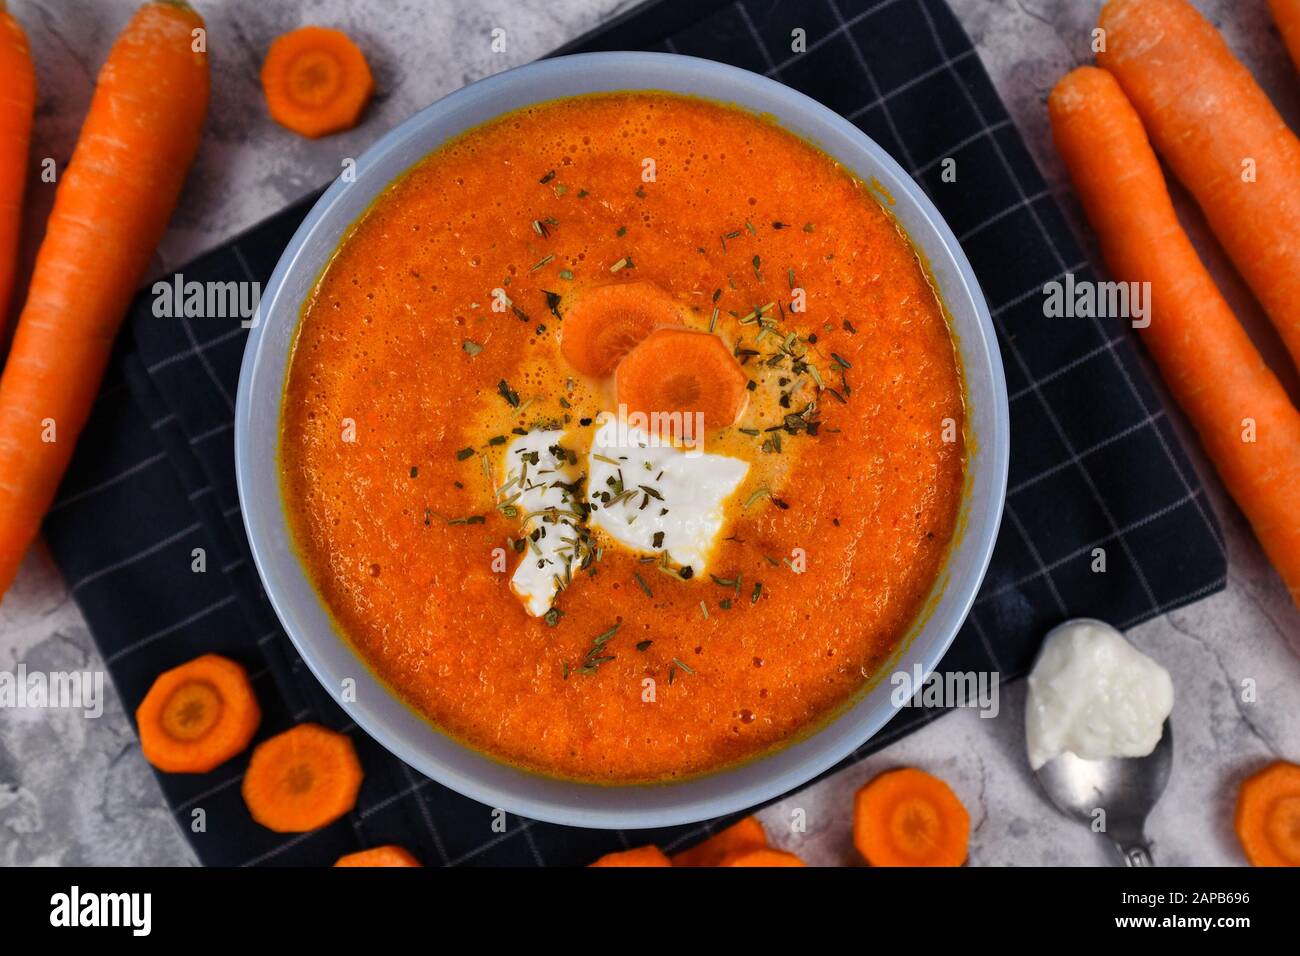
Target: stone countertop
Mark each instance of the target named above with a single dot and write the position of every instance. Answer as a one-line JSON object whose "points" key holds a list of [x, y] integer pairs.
{"points": [[77, 791]]}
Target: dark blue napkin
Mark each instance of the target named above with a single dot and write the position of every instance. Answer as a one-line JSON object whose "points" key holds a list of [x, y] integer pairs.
{"points": [[1094, 464]]}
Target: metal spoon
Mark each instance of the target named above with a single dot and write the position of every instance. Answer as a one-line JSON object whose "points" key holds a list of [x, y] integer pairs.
{"points": [[1125, 788], [1122, 789]]}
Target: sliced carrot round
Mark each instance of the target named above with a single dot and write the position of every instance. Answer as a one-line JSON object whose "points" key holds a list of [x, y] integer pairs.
{"points": [[678, 372], [379, 856], [761, 856], [909, 818], [605, 323], [746, 834], [1268, 816], [302, 779], [316, 81], [197, 715], [649, 855]]}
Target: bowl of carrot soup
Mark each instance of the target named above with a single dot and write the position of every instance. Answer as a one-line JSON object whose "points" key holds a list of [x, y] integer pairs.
{"points": [[612, 436]]}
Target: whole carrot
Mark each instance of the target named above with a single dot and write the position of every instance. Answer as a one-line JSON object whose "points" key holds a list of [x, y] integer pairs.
{"points": [[1223, 139], [1246, 423], [17, 104], [1286, 14], [111, 208]]}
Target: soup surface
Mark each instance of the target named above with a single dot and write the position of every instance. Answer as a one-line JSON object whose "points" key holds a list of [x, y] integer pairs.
{"points": [[431, 358]]}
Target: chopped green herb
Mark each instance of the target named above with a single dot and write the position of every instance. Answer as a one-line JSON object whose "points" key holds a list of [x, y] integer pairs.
{"points": [[473, 348], [506, 392], [464, 453]]}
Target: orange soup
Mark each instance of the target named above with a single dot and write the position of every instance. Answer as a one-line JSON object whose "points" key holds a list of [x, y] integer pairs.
{"points": [[623, 437]]}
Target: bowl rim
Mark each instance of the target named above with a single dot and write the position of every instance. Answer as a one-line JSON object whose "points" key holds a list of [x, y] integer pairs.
{"points": [[980, 354]]}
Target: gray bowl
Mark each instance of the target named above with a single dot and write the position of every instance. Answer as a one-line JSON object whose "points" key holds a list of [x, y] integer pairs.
{"points": [[332, 659]]}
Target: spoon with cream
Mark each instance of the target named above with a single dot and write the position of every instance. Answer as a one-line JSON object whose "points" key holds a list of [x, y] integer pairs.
{"points": [[1097, 731]]}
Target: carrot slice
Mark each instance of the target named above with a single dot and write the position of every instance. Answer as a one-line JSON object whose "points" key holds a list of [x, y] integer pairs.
{"points": [[379, 856], [316, 81], [1208, 361], [746, 834], [649, 855], [605, 323], [1268, 816], [302, 779], [110, 210], [1286, 13], [197, 715], [17, 106], [681, 371], [1214, 126], [761, 856], [909, 818]]}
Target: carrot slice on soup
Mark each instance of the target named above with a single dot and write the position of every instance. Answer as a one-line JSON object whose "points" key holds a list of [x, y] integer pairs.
{"points": [[746, 834], [909, 818], [1268, 816], [681, 371], [302, 779], [605, 323], [379, 856], [316, 81], [649, 855], [197, 715]]}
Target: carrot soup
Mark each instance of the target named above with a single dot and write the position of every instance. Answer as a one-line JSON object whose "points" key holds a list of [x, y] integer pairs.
{"points": [[623, 437]]}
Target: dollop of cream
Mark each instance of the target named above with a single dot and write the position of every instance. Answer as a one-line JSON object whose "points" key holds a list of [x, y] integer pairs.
{"points": [[1093, 694]]}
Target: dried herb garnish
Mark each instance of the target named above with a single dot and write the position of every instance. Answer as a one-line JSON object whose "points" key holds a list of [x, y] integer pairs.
{"points": [[684, 667], [547, 178], [594, 657], [553, 303], [644, 587], [415, 472], [758, 591], [541, 262], [464, 453], [473, 348], [506, 392], [643, 645]]}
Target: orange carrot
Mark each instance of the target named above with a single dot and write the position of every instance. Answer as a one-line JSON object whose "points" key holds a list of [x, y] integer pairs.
{"points": [[605, 323], [1286, 13], [1247, 424], [316, 81], [302, 779], [1268, 816], [197, 715], [761, 856], [17, 105], [746, 834], [379, 856], [642, 856], [1223, 139], [681, 370], [110, 210], [909, 818]]}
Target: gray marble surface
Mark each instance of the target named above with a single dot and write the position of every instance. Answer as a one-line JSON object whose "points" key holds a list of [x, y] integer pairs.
{"points": [[74, 790]]}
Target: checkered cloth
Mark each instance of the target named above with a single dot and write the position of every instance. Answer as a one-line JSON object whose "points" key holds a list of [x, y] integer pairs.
{"points": [[1094, 463]]}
